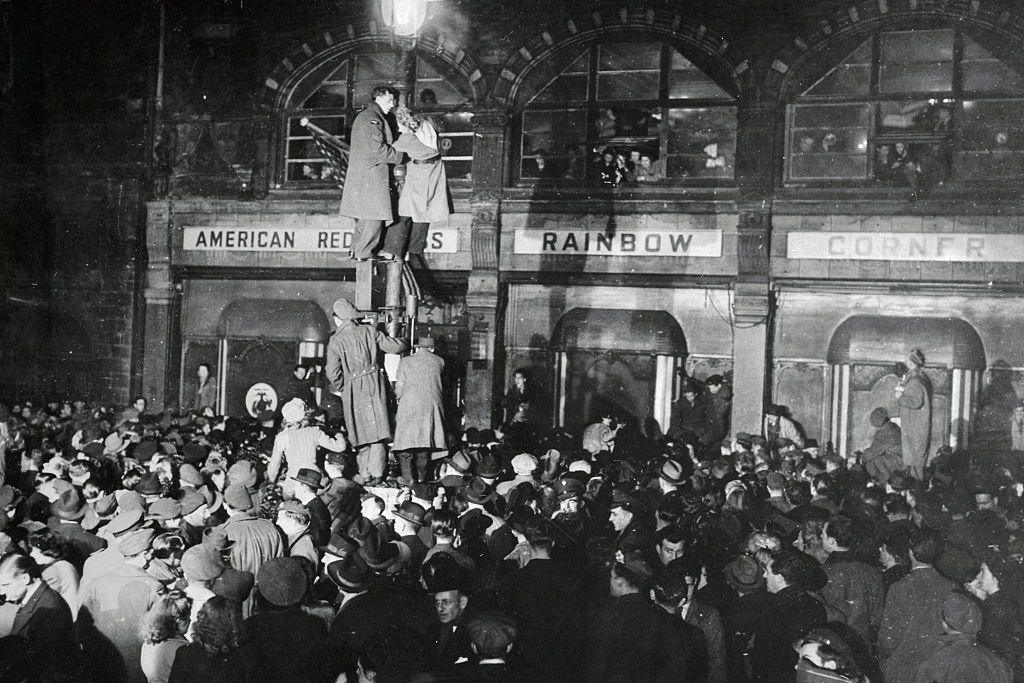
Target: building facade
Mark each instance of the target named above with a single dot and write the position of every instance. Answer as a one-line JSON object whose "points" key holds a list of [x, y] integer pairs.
{"points": [[828, 188]]}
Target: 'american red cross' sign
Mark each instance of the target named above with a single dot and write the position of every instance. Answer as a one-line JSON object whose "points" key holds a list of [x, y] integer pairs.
{"points": [[439, 240]]}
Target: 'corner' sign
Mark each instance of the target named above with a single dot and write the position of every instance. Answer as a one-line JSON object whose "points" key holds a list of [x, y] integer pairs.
{"points": [[705, 243], [905, 246]]}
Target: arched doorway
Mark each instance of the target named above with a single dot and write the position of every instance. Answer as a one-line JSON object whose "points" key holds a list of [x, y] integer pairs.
{"points": [[862, 354], [257, 341], [619, 359]]}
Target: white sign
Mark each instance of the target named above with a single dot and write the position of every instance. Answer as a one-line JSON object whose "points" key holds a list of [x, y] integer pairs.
{"points": [[905, 246], [439, 240], [261, 396], [707, 243]]}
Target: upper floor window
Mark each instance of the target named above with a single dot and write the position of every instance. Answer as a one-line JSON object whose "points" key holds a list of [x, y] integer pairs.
{"points": [[332, 94], [627, 113], [917, 109]]}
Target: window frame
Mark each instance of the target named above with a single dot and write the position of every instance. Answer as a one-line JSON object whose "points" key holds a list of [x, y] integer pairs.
{"points": [[593, 104], [876, 97], [407, 90]]}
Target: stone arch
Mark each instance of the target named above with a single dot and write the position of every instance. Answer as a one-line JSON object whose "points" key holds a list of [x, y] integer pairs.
{"points": [[437, 47], [809, 55], [704, 46]]}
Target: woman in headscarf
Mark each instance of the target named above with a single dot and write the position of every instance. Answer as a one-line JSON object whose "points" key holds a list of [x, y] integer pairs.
{"points": [[296, 444], [424, 198]]}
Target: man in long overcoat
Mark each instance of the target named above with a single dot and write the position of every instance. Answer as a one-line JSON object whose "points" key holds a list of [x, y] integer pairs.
{"points": [[419, 424], [885, 454], [354, 374], [914, 398], [367, 192]]}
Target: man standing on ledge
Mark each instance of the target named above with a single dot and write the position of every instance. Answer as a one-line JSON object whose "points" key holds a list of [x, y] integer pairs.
{"points": [[354, 375], [367, 192]]}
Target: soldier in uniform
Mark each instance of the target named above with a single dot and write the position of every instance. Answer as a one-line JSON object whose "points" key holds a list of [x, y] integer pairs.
{"points": [[354, 374]]}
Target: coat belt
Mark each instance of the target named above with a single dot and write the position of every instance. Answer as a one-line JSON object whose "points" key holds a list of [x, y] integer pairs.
{"points": [[372, 370]]}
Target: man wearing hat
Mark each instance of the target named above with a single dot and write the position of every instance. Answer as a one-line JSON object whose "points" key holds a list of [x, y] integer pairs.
{"points": [[293, 521], [255, 539], [914, 398], [778, 426], [523, 465], [671, 476], [419, 422], [288, 642], [409, 517], [634, 531], [960, 659], [117, 600], [307, 485], [354, 374], [884, 457], [68, 510]]}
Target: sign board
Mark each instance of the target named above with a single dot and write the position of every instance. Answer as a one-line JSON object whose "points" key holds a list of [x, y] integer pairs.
{"points": [[905, 246], [705, 243], [439, 240], [261, 396]]}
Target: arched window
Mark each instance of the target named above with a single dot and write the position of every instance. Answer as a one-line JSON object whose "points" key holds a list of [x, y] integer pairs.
{"points": [[918, 109], [332, 93], [643, 98]]}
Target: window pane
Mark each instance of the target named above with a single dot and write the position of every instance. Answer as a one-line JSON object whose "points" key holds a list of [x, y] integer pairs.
{"points": [[921, 116], [993, 126], [309, 171], [569, 88], [557, 133], [457, 170], [686, 81], [830, 116], [691, 131], [992, 76], [828, 166], [830, 141], [851, 77], [641, 85], [371, 70], [456, 145], [933, 77], [433, 92], [975, 166], [328, 96], [629, 57], [617, 122], [916, 61], [459, 122], [335, 125], [694, 166]]}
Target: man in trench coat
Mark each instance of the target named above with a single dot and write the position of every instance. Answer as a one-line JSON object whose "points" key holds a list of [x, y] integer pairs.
{"points": [[419, 424], [354, 374], [366, 195], [914, 398]]}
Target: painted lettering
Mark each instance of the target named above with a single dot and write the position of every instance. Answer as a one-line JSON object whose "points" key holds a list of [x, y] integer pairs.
{"points": [[605, 240], [289, 240], [652, 242], [942, 244], [201, 239], [571, 242], [680, 242], [890, 245], [321, 239], [836, 245], [862, 246], [917, 244], [548, 241], [975, 245], [216, 239], [436, 240], [628, 242], [346, 240]]}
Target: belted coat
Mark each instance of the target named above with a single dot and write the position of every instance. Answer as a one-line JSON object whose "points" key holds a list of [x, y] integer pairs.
{"points": [[420, 419], [354, 374]]}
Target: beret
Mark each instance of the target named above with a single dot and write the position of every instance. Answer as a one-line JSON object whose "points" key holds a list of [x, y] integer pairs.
{"points": [[234, 585], [281, 581], [491, 633]]}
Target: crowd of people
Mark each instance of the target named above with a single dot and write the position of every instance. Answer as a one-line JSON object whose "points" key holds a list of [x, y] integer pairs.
{"points": [[195, 547]]}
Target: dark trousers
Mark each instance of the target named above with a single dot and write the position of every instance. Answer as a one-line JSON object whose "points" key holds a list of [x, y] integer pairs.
{"points": [[399, 236], [422, 461], [366, 237]]}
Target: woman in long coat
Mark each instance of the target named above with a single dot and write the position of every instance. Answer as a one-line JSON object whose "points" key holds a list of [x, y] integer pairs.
{"points": [[424, 197], [914, 398]]}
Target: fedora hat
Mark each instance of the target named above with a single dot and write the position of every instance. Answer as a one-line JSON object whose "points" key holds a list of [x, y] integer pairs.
{"points": [[411, 512], [309, 477], [350, 573], [744, 574], [426, 342], [461, 462], [344, 310], [673, 472], [217, 538], [379, 555], [488, 467], [479, 491], [69, 506]]}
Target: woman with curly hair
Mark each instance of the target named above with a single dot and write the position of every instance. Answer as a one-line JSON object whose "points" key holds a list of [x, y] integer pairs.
{"points": [[424, 198], [50, 551], [162, 633], [217, 653]]}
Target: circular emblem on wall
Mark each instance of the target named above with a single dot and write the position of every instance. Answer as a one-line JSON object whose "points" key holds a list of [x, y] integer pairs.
{"points": [[260, 397]]}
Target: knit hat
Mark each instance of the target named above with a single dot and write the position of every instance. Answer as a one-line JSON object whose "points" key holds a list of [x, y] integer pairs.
{"points": [[202, 563], [294, 410], [961, 613], [524, 464], [281, 581], [344, 309], [234, 585], [744, 574]]}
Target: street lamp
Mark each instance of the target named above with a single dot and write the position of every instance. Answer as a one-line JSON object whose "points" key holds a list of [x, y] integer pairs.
{"points": [[404, 17]]}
